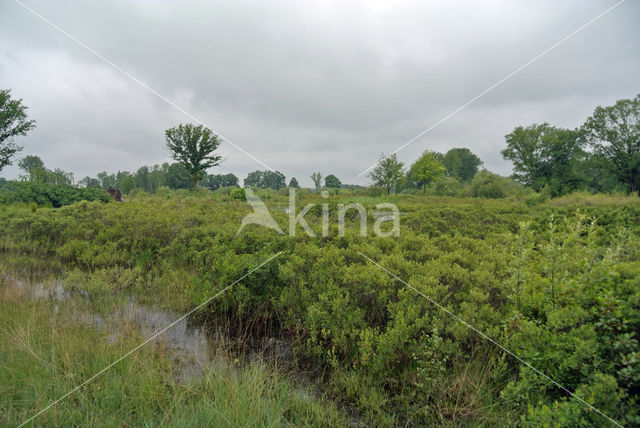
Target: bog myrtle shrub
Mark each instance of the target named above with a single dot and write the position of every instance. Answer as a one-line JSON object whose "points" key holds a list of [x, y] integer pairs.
{"points": [[46, 194], [238, 193], [558, 284]]}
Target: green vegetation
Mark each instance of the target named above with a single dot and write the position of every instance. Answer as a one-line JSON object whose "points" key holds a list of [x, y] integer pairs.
{"points": [[543, 155], [557, 282], [265, 180], [332, 181], [45, 354], [48, 195], [536, 262], [461, 164], [426, 169], [294, 183], [614, 133], [388, 173], [316, 177], [13, 122], [193, 146]]}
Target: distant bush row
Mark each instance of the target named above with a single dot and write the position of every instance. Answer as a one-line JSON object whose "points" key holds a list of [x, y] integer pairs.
{"points": [[45, 194]]}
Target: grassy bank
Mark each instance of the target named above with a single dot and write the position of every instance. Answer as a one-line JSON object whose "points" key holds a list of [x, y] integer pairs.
{"points": [[50, 348]]}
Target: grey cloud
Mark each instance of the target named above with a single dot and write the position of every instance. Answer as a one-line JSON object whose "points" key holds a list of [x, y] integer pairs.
{"points": [[308, 86]]}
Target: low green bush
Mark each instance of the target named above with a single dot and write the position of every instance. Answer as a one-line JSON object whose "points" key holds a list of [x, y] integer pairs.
{"points": [[238, 193], [376, 191], [45, 194], [556, 283]]}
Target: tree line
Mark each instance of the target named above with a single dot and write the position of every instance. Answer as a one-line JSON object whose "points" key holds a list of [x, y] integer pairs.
{"points": [[602, 155]]}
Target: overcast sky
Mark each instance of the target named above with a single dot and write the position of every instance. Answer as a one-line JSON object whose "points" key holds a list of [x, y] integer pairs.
{"points": [[307, 86]]}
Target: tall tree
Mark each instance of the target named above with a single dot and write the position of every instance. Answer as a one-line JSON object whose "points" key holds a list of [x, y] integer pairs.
{"points": [[193, 146], [600, 176], [158, 175], [36, 171], [106, 180], [89, 183], [461, 163], [127, 184], [254, 179], [332, 181], [123, 177], [317, 180], [274, 180], [33, 167], [427, 168], [13, 122], [544, 155], [177, 176], [143, 181], [614, 132], [265, 179], [216, 181], [388, 172], [293, 183], [58, 177]]}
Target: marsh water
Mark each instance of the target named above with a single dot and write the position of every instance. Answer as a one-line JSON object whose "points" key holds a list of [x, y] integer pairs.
{"points": [[193, 343]]}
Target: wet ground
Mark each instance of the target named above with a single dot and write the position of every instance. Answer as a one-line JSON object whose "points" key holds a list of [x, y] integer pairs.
{"points": [[193, 344]]}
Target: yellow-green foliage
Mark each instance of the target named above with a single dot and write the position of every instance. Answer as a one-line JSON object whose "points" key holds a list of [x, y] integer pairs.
{"points": [[557, 282], [48, 351]]}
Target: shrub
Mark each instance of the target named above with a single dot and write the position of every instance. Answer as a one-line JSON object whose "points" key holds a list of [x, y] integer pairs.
{"points": [[226, 190], [376, 191], [488, 185], [238, 193], [164, 192], [446, 186], [562, 294], [411, 191], [45, 194]]}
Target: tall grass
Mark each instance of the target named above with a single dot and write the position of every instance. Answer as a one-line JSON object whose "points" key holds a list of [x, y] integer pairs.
{"points": [[48, 349]]}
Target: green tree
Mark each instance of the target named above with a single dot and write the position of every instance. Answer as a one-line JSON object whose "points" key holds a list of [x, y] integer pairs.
{"points": [[142, 180], [121, 177], [294, 183], [489, 185], [106, 180], [388, 172], [317, 180], [600, 176], [177, 176], [216, 181], [274, 180], [13, 122], [58, 177], [158, 175], [332, 181], [127, 184], [426, 169], [254, 179], [614, 133], [89, 183], [544, 155], [35, 171], [461, 163], [33, 167], [265, 179], [193, 147]]}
